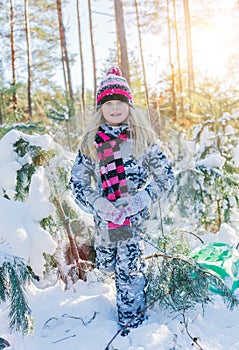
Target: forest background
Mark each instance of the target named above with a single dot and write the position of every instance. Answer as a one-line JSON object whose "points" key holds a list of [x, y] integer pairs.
{"points": [[181, 59]]}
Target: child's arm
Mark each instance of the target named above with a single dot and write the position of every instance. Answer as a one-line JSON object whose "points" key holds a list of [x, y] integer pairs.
{"points": [[80, 183], [161, 180], [161, 171], [89, 199]]}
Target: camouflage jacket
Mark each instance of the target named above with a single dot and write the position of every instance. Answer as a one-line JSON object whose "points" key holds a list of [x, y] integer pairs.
{"points": [[151, 172]]}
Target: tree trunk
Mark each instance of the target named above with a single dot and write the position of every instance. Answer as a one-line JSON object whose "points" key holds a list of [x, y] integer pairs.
{"points": [[29, 61], [171, 65], [189, 47], [179, 62], [121, 39], [14, 95], [77, 255], [142, 56], [65, 59], [82, 64], [2, 107], [92, 50]]}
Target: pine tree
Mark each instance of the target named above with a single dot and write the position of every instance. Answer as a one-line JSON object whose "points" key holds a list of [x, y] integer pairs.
{"points": [[206, 186], [74, 237]]}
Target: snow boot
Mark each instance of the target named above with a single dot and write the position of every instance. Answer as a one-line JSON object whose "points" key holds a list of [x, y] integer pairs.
{"points": [[125, 332]]}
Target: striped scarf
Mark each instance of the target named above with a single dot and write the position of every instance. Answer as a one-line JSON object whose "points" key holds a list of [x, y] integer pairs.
{"points": [[112, 169]]}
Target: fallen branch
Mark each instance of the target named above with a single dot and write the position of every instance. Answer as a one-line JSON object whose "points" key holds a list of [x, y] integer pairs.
{"points": [[81, 319], [195, 235], [58, 341], [194, 339]]}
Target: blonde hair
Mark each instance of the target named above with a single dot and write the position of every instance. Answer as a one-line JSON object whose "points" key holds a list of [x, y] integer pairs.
{"points": [[142, 133]]}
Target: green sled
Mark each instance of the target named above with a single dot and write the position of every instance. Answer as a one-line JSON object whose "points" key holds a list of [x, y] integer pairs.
{"points": [[221, 260]]}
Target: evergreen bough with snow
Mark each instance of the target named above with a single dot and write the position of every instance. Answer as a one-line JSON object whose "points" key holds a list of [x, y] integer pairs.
{"points": [[206, 194], [40, 177], [64, 224], [32, 157], [14, 275], [207, 187], [178, 283], [204, 197]]}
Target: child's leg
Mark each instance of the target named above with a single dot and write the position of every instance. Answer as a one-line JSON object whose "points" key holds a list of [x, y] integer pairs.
{"points": [[105, 259], [130, 283]]}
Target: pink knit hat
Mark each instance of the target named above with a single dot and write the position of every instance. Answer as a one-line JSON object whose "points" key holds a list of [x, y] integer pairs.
{"points": [[113, 87]]}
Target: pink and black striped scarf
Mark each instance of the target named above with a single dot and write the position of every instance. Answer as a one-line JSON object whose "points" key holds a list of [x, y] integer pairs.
{"points": [[112, 169]]}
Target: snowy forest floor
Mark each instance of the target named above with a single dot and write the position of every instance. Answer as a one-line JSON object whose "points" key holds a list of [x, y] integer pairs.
{"points": [[85, 318]]}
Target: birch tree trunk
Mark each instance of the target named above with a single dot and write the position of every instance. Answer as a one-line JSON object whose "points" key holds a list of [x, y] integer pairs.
{"points": [[189, 47], [121, 39], [29, 60], [64, 53], [14, 95], [82, 64], [92, 49]]}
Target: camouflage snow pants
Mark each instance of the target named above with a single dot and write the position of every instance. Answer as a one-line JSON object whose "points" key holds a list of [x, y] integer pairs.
{"points": [[127, 263]]}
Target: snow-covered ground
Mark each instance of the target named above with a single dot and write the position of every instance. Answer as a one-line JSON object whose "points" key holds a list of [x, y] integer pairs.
{"points": [[84, 317]]}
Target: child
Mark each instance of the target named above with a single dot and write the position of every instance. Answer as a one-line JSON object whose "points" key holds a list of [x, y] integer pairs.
{"points": [[118, 173]]}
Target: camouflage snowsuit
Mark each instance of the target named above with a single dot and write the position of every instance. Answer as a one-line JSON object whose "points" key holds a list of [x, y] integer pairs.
{"points": [[122, 253]]}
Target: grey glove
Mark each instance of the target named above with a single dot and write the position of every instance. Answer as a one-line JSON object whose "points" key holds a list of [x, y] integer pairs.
{"points": [[137, 202], [108, 212]]}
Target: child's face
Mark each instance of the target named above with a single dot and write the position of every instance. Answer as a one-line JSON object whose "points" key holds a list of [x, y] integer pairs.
{"points": [[115, 112]]}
